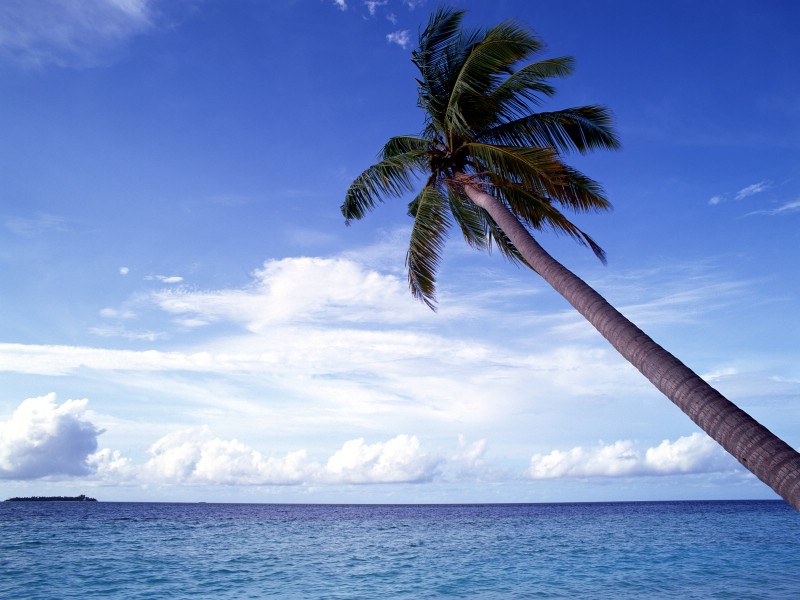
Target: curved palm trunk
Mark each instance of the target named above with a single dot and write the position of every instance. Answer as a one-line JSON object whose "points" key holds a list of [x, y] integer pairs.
{"points": [[767, 456]]}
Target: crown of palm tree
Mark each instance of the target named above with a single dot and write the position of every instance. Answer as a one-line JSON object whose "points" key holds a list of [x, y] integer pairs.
{"points": [[481, 129]]}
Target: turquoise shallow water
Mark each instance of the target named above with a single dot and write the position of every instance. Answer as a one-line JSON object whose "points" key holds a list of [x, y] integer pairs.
{"points": [[614, 550]]}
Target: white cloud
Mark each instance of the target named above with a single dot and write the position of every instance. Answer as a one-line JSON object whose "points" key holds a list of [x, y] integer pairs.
{"points": [[164, 278], [470, 453], [341, 4], [401, 459], [696, 453], [719, 374], [121, 332], [35, 33], [124, 270], [743, 193], [372, 5], [43, 438], [751, 190], [197, 456], [110, 466], [401, 38], [302, 289], [789, 207]]}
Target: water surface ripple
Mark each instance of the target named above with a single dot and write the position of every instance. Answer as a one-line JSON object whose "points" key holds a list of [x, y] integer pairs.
{"points": [[331, 552]]}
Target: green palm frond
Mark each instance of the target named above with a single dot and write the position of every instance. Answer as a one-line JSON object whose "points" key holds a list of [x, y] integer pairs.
{"points": [[531, 167], [578, 192], [497, 238], [484, 68], [390, 177], [428, 235], [470, 219], [436, 39], [538, 212], [579, 129], [514, 96], [434, 58], [404, 144]]}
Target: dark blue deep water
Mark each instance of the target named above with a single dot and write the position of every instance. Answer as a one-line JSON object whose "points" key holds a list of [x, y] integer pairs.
{"points": [[614, 550]]}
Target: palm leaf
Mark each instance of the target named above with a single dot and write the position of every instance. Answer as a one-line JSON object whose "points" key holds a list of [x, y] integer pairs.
{"points": [[428, 235], [514, 96], [482, 70], [539, 213], [432, 57], [390, 177], [404, 144], [583, 129], [531, 167], [470, 219]]}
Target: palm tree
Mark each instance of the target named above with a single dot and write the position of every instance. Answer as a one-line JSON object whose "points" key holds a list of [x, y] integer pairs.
{"points": [[494, 167]]}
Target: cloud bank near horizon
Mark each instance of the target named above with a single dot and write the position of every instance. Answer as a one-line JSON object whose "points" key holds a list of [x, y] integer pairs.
{"points": [[47, 439]]}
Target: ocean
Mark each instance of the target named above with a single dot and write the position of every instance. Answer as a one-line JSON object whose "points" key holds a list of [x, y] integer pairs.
{"points": [[55, 550]]}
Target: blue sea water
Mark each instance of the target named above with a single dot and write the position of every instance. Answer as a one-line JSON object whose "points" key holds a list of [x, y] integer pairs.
{"points": [[492, 551]]}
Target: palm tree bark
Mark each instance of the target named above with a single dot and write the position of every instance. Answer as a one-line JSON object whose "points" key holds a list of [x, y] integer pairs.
{"points": [[768, 457]]}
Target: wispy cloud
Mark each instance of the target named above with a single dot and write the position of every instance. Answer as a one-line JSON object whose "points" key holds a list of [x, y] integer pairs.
{"points": [[372, 5], [750, 190], [340, 4], [164, 278], [745, 192], [789, 207], [68, 33], [401, 38], [38, 224]]}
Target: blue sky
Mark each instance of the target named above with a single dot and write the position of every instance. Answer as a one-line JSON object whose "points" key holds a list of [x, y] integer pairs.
{"points": [[186, 316]]}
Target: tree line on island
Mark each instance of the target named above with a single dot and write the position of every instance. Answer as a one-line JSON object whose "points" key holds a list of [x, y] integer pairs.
{"points": [[81, 498]]}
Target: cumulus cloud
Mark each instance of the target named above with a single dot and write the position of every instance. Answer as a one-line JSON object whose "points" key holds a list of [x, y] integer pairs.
{"points": [[124, 270], [68, 33], [197, 456], [401, 459], [696, 453], [340, 4], [44, 438], [111, 466], [401, 38]]}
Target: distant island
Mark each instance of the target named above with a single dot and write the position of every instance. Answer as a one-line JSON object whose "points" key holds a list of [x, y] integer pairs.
{"points": [[81, 498]]}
